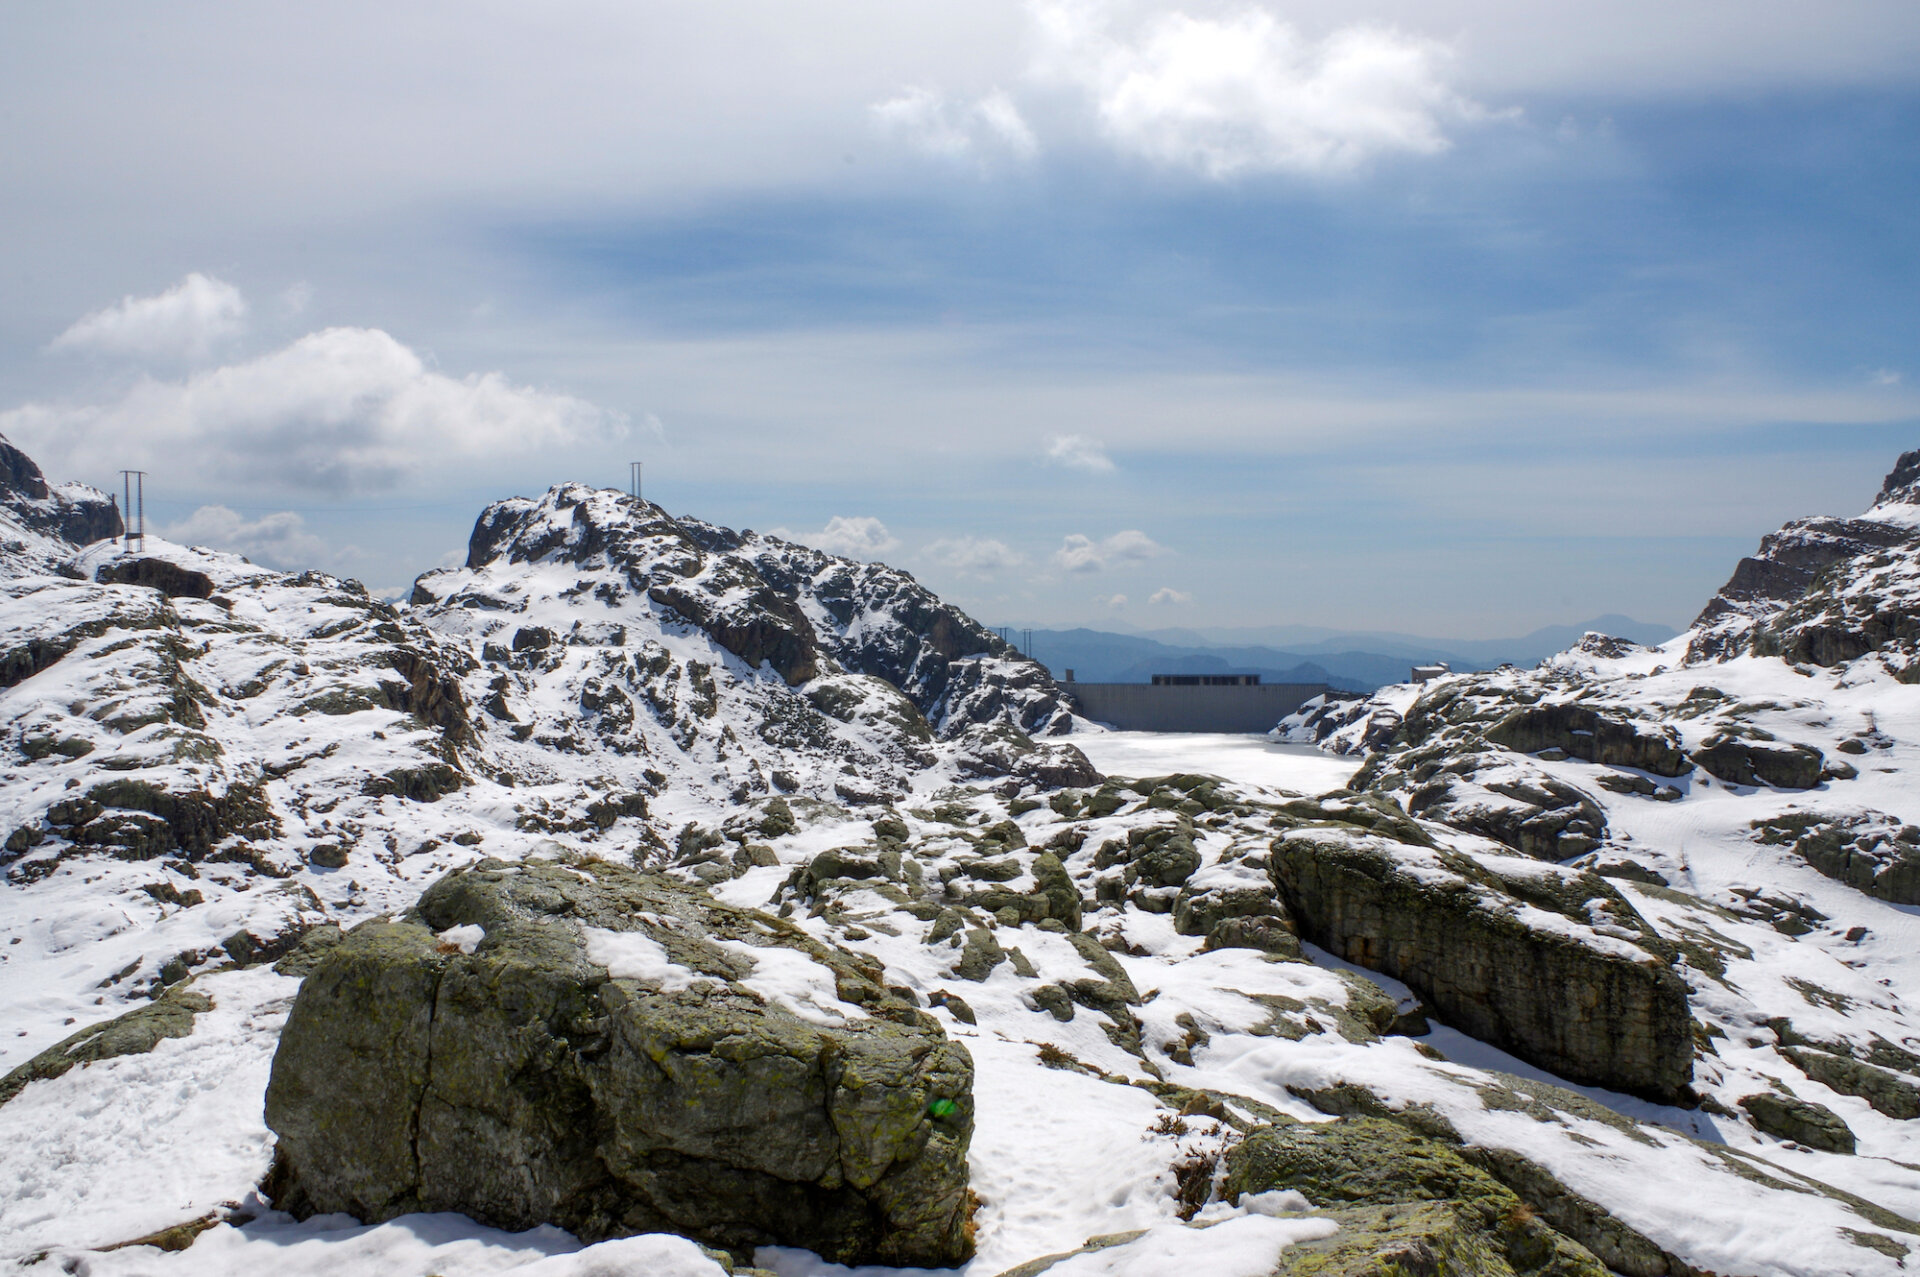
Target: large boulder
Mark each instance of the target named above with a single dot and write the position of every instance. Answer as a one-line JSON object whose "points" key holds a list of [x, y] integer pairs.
{"points": [[615, 1052], [1546, 962]]}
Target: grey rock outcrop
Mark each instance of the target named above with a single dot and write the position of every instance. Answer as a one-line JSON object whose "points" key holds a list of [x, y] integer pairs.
{"points": [[1745, 762], [134, 1033], [1824, 591], [1513, 802], [1591, 737], [1546, 962], [615, 1052], [1802, 1121], [1869, 850], [1405, 1204], [67, 513]]}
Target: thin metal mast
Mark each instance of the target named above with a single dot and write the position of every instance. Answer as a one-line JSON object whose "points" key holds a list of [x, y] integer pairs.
{"points": [[133, 510]]}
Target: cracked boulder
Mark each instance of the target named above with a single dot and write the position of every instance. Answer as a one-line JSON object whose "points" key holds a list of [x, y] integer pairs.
{"points": [[615, 1052]]}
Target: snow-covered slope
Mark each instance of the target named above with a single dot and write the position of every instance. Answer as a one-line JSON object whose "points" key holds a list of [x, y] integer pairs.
{"points": [[1751, 787], [207, 761]]}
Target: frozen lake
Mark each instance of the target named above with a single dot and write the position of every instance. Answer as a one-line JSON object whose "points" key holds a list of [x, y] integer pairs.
{"points": [[1249, 760]]}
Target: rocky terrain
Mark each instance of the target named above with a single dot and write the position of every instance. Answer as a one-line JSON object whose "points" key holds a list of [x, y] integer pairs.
{"points": [[742, 905]]}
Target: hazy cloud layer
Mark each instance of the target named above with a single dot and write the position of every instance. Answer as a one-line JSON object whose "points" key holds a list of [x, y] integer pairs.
{"points": [[278, 540], [188, 321], [340, 411], [930, 121], [1080, 553], [1080, 452], [974, 556]]}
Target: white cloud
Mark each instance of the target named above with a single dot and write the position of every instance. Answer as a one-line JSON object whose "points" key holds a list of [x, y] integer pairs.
{"points": [[1080, 452], [1248, 93], [974, 556], [1079, 553], [338, 411], [186, 322], [1117, 602], [858, 536], [939, 125], [1167, 594], [278, 540], [1885, 377]]}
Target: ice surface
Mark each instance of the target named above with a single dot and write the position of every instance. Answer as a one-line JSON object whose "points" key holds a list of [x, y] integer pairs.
{"points": [[1246, 760]]}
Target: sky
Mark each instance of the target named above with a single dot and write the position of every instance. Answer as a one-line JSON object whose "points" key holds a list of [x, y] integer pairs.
{"points": [[1460, 318]]}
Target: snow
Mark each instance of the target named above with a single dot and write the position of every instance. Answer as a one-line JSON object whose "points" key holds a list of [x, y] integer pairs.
{"points": [[634, 955], [1245, 1247], [123, 1147], [789, 978], [1256, 761], [444, 1245], [1063, 1151], [466, 939]]}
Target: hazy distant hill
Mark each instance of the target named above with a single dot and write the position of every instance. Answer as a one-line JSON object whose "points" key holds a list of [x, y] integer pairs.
{"points": [[1351, 660]]}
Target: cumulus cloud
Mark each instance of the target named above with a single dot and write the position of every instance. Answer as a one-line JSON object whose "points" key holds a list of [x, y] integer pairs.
{"points": [[338, 411], [1167, 594], [974, 556], [1079, 553], [1247, 92], [1079, 452], [932, 122], [278, 540], [858, 536], [1117, 602], [187, 321]]}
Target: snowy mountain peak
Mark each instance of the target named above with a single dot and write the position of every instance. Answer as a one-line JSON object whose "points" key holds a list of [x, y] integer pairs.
{"points": [[778, 607], [1768, 602], [1903, 482]]}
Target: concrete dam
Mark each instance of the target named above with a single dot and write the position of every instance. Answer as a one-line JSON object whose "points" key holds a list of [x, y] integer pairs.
{"points": [[1238, 703]]}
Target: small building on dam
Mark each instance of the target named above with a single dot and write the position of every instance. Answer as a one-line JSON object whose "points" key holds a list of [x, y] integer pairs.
{"points": [[1191, 702]]}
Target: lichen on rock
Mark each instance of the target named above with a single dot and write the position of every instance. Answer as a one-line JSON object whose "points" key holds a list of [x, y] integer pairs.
{"points": [[620, 1053]]}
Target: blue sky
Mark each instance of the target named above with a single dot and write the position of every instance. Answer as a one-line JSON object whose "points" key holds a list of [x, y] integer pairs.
{"points": [[1459, 318]]}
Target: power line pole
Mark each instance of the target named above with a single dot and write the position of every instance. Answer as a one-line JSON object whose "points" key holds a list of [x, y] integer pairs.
{"points": [[133, 484]]}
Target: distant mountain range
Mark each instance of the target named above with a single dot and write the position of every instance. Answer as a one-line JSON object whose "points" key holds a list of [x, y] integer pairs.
{"points": [[1351, 660]]}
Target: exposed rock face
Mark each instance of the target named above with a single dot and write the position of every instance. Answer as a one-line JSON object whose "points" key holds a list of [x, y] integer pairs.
{"points": [[618, 1053], [1405, 1203], [1591, 737], [1745, 762], [170, 579], [1513, 803], [135, 1033], [1801, 1121], [1549, 963], [1868, 850], [67, 515], [1887, 1091], [1825, 591]]}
